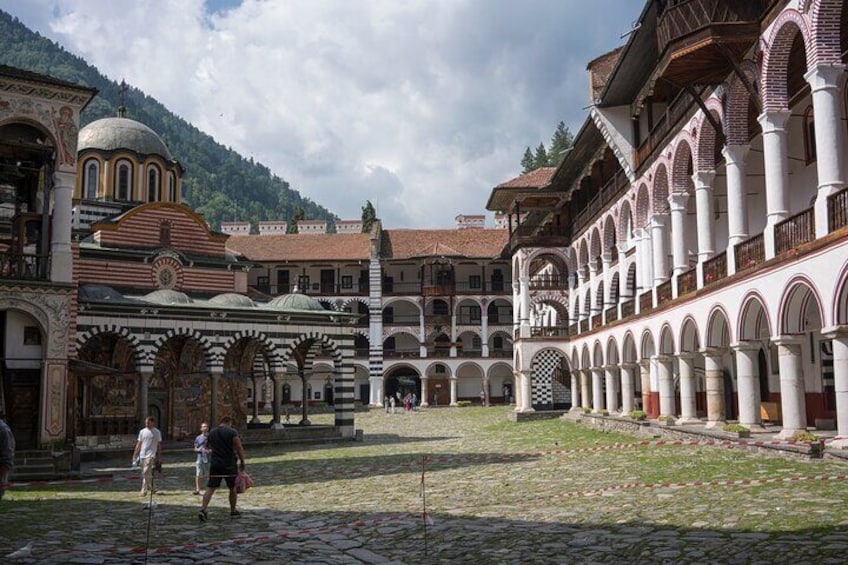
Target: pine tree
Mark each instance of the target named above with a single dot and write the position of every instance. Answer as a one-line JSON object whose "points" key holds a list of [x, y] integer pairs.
{"points": [[299, 214], [369, 215], [560, 142], [527, 161], [541, 157]]}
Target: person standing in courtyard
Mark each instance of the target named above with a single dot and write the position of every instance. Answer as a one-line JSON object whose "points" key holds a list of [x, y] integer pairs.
{"points": [[201, 448], [148, 453], [226, 460], [7, 453]]}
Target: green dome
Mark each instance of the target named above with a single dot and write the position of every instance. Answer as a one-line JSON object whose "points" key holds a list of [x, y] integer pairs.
{"points": [[296, 301]]}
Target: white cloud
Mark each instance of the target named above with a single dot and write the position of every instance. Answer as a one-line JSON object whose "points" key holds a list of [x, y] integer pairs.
{"points": [[421, 107]]}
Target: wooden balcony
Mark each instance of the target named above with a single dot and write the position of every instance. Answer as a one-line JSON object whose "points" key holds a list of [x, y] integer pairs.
{"points": [[439, 290], [24, 266], [837, 210], [687, 282], [573, 329], [611, 314], [794, 231], [750, 253], [683, 106], [597, 321], [540, 236], [696, 37], [615, 186], [583, 325], [715, 269]]}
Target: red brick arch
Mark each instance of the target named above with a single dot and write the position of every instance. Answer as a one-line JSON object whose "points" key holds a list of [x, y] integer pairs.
{"points": [[659, 194], [826, 28], [704, 160], [776, 60], [736, 107], [682, 166]]}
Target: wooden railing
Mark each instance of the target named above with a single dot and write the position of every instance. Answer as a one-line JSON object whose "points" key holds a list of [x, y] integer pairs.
{"points": [[24, 266], [676, 111], [572, 329], [611, 314], [617, 184], [549, 331], [715, 268], [628, 308], [794, 231], [542, 282], [584, 325], [645, 301], [597, 321], [664, 293], [687, 282], [837, 210], [750, 253]]}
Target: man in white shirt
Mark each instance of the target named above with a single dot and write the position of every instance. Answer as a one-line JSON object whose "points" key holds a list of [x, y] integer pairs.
{"points": [[148, 452]]}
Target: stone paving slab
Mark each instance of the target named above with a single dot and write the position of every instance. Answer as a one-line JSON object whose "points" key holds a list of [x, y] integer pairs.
{"points": [[495, 492]]}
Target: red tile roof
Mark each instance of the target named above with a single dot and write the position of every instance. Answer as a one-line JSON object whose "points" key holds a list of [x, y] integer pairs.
{"points": [[302, 246], [471, 243], [536, 178]]}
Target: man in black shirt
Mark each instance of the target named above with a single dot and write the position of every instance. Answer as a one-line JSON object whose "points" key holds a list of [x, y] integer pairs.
{"points": [[226, 460]]}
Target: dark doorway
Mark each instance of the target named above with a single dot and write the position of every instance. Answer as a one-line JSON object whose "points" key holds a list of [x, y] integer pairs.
{"points": [[328, 281], [403, 380], [282, 282]]}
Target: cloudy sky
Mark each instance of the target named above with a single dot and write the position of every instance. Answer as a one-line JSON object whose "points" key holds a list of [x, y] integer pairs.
{"points": [[420, 106]]}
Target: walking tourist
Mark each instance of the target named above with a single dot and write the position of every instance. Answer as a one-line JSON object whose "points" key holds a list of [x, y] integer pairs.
{"points": [[201, 448], [226, 460], [148, 453]]}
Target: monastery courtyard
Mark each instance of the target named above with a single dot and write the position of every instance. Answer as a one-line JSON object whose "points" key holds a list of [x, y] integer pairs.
{"points": [[496, 492]]}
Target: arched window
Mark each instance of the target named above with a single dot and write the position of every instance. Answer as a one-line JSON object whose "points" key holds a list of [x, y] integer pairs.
{"points": [[172, 187], [90, 179], [154, 186], [123, 180], [809, 135]]}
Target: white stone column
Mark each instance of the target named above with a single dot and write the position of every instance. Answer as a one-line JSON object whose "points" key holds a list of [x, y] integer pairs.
{"points": [[776, 172], [645, 382], [840, 381], [688, 406], [627, 390], [144, 376], [666, 385], [518, 387], [425, 391], [612, 388], [747, 377], [525, 307], [659, 243], [677, 203], [586, 388], [453, 391], [714, 381], [376, 394], [575, 390], [644, 260], [705, 219], [526, 392], [735, 157], [597, 389], [61, 259], [791, 386], [830, 136], [484, 328]]}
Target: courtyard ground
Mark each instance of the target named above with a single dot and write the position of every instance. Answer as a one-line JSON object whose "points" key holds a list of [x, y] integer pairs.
{"points": [[495, 491]]}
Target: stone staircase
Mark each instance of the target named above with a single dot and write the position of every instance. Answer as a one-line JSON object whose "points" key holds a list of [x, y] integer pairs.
{"points": [[39, 465]]}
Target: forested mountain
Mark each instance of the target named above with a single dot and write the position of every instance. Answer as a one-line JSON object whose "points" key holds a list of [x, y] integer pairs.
{"points": [[219, 183]]}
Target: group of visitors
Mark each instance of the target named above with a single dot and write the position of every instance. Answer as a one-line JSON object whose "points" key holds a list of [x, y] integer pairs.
{"points": [[219, 457], [409, 401]]}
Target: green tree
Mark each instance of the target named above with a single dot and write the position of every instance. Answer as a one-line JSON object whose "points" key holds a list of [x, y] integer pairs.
{"points": [[369, 215], [560, 143], [541, 157], [527, 161], [298, 215]]}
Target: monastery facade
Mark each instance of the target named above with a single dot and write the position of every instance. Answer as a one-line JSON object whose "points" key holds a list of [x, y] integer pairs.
{"points": [[690, 255]]}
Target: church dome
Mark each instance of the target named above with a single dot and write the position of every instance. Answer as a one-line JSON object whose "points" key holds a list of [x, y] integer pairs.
{"points": [[295, 301], [111, 134], [233, 300], [166, 296]]}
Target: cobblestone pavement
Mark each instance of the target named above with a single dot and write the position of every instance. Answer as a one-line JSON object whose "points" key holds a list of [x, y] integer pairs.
{"points": [[495, 492]]}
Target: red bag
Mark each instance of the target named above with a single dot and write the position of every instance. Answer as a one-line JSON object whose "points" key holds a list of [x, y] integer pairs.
{"points": [[243, 482]]}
